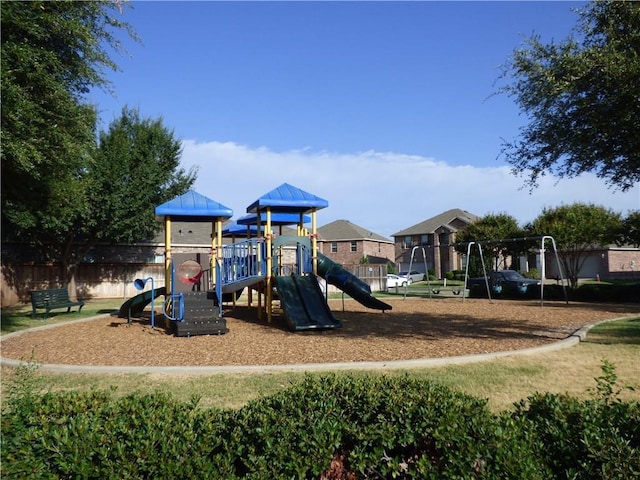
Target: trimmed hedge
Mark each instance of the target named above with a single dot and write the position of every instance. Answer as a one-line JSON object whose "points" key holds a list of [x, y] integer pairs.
{"points": [[375, 428], [584, 440], [605, 292], [596, 292], [326, 427]]}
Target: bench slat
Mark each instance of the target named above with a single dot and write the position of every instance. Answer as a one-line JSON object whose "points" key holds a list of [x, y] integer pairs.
{"points": [[52, 299]]}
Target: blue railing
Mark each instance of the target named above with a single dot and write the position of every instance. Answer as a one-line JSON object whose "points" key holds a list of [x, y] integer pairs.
{"points": [[173, 305], [241, 261]]}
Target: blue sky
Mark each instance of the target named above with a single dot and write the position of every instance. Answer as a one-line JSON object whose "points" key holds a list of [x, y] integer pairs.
{"points": [[385, 109]]}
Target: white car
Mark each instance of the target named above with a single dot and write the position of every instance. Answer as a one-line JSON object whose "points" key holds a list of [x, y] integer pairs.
{"points": [[412, 276], [395, 281]]}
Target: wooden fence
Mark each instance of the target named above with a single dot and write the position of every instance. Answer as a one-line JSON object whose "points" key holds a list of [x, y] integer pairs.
{"points": [[92, 280], [115, 280]]}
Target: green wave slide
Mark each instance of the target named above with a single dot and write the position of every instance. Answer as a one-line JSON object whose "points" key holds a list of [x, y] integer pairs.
{"points": [[304, 304], [134, 306]]}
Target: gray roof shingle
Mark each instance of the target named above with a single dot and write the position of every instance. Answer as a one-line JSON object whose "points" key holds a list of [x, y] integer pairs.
{"points": [[341, 230], [449, 219]]}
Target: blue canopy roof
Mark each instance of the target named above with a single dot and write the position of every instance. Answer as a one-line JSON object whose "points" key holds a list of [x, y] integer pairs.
{"points": [[236, 229], [192, 206], [276, 219], [287, 198]]}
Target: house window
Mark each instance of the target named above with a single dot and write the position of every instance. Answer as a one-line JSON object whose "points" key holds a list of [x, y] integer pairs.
{"points": [[424, 240], [408, 241], [354, 246], [334, 247]]}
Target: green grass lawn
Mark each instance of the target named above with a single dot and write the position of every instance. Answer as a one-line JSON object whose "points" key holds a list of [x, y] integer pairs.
{"points": [[434, 288], [19, 317], [625, 332]]}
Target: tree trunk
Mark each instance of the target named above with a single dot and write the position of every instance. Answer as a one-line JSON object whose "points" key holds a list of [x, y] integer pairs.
{"points": [[570, 271], [71, 286], [69, 278], [70, 261]]}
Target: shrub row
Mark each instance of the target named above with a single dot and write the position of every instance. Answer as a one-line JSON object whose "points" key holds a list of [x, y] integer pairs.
{"points": [[455, 275], [589, 292], [328, 427], [597, 292], [606, 292]]}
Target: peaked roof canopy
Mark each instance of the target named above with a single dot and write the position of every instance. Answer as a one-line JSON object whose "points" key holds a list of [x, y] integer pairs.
{"points": [[287, 198], [194, 207]]}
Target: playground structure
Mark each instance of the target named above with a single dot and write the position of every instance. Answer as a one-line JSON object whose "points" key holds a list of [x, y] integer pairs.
{"points": [[275, 267]]}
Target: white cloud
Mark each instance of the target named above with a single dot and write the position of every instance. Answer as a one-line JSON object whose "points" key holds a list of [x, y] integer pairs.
{"points": [[384, 192]]}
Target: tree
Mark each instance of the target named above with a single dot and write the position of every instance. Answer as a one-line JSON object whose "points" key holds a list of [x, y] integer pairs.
{"points": [[52, 53], [630, 234], [136, 167], [61, 192], [576, 229], [495, 232], [582, 99]]}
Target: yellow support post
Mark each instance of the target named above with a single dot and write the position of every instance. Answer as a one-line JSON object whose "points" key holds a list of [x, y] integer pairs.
{"points": [[214, 257], [259, 234], [269, 264], [314, 242], [218, 241], [167, 254]]}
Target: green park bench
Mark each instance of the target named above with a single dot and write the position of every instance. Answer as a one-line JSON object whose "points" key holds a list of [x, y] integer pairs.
{"points": [[52, 299]]}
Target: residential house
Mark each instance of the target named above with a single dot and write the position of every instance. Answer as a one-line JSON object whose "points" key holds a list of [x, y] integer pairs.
{"points": [[349, 244], [435, 237], [611, 262]]}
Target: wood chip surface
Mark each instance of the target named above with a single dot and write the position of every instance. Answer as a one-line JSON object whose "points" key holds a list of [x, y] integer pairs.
{"points": [[413, 329]]}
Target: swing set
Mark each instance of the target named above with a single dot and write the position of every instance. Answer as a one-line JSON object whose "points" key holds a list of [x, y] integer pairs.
{"points": [[543, 240]]}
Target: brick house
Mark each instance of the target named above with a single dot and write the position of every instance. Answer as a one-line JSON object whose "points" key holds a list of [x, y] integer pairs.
{"points": [[619, 262], [347, 243], [436, 235]]}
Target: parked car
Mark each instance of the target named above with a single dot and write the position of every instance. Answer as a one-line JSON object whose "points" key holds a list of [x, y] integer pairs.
{"points": [[503, 283], [395, 281], [412, 276]]}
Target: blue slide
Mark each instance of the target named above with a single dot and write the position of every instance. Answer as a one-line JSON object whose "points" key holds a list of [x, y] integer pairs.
{"points": [[349, 283]]}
